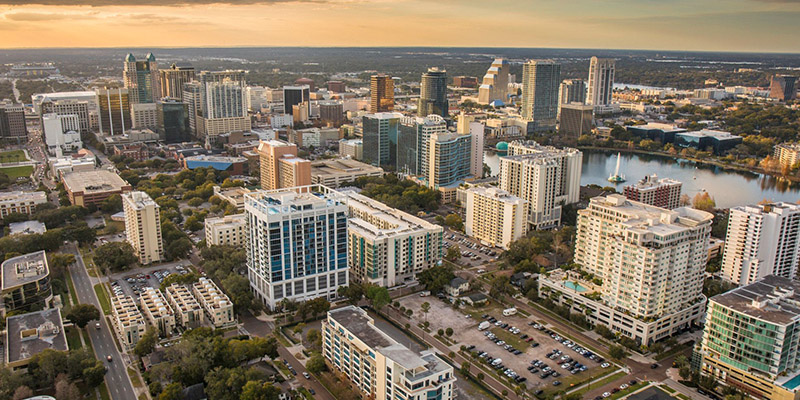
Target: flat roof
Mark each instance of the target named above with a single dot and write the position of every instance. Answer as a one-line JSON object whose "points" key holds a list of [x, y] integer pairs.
{"points": [[139, 200], [342, 167], [23, 269], [773, 299], [30, 334], [392, 220], [719, 135], [94, 181], [27, 228], [643, 217]]}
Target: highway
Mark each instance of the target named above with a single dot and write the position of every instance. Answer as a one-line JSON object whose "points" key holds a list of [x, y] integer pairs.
{"points": [[117, 379]]}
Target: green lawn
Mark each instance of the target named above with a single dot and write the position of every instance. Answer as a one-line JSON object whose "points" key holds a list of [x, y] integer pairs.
{"points": [[12, 156], [134, 378], [600, 383], [73, 337], [18, 171], [88, 341], [629, 390], [104, 395], [102, 297]]}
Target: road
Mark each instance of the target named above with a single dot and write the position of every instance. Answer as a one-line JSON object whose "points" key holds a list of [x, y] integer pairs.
{"points": [[117, 379]]}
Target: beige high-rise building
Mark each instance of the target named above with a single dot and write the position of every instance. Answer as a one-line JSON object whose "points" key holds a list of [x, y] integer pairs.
{"points": [[173, 78], [495, 216], [601, 81], [381, 88], [280, 166], [495, 83], [226, 231], [143, 226]]}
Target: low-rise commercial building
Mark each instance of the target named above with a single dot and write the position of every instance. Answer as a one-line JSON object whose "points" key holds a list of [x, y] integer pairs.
{"points": [[157, 311], [495, 216], [30, 334], [188, 312], [93, 187], [26, 228], [20, 202], [234, 165], [334, 173], [716, 142], [127, 321], [217, 305], [353, 148], [378, 365], [233, 195], [230, 230], [25, 282]]}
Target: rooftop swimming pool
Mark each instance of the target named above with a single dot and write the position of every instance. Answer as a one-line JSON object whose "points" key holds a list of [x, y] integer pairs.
{"points": [[575, 286]]}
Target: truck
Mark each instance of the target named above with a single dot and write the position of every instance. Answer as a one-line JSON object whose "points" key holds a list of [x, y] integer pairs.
{"points": [[425, 293], [484, 325], [509, 311]]}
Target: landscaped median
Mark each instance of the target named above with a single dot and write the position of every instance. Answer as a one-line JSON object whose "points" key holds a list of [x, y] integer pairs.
{"points": [[102, 297]]}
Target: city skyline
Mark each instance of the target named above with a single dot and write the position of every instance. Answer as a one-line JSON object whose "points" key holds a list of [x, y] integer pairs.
{"points": [[680, 25]]}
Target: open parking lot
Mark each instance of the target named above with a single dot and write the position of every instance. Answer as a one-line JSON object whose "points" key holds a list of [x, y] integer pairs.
{"points": [[133, 283], [517, 341], [472, 252]]}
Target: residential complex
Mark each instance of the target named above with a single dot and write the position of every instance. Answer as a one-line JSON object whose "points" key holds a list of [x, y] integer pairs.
{"points": [[495, 216], [127, 321], [25, 282], [388, 247], [788, 154], [378, 365], [218, 307], [29, 334], [93, 187], [297, 248], [143, 226], [157, 311], [229, 230], [540, 84], [353, 148], [433, 94], [664, 192], [233, 195], [750, 338], [280, 166], [601, 81], [762, 240], [20, 202], [188, 312], [413, 142], [222, 103], [335, 172], [449, 160], [544, 176], [572, 91]]}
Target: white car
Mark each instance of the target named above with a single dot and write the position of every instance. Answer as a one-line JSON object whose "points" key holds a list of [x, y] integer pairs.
{"points": [[606, 394], [605, 365]]}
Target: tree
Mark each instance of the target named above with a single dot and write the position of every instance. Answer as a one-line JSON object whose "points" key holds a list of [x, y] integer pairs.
{"points": [[603, 331], [453, 254], [94, 375], [316, 364], [146, 344], [435, 278], [685, 372], [81, 314], [254, 390], [449, 331], [425, 308], [171, 392], [22, 392], [500, 285], [178, 249], [616, 352], [58, 263], [353, 292], [379, 296], [111, 205], [115, 256], [703, 201], [454, 221], [66, 390], [314, 337]]}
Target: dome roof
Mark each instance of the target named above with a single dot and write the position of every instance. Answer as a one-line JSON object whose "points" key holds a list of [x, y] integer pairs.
{"points": [[502, 146]]}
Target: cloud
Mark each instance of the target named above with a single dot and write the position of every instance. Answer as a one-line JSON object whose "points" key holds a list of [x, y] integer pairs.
{"points": [[38, 16], [162, 3]]}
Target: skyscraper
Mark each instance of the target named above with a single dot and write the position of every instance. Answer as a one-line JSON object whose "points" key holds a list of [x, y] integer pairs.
{"points": [[294, 95], [280, 166], [572, 90], [380, 135], [495, 83], [540, 81], [381, 93], [412, 142], [601, 81], [12, 123], [495, 216], [476, 130], [142, 80], [173, 120], [115, 111], [433, 94], [192, 96], [173, 78], [782, 87], [761, 240], [297, 244], [448, 159], [224, 107], [143, 226]]}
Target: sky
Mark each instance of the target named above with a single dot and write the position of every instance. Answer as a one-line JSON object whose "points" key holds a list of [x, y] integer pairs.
{"points": [[714, 25]]}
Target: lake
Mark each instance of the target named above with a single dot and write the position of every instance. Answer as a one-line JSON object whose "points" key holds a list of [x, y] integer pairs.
{"points": [[729, 188]]}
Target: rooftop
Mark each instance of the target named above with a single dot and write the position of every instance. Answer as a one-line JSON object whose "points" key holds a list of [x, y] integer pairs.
{"points": [[293, 199], [24, 269], [30, 334], [17, 196], [98, 180], [26, 228], [228, 221], [341, 166], [773, 299], [496, 193], [641, 217], [652, 181], [719, 135], [376, 219], [139, 200]]}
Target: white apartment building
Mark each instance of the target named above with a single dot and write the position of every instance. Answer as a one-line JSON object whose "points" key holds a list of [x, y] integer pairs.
{"points": [[388, 247], [353, 148], [143, 226], [218, 307], [229, 230], [601, 81], [495, 216], [651, 260], [157, 311], [378, 365], [761, 240], [188, 312], [476, 130], [20, 202], [544, 176], [62, 133], [127, 321]]}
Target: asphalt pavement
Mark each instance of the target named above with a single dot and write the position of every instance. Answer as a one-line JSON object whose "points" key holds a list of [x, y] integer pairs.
{"points": [[117, 379]]}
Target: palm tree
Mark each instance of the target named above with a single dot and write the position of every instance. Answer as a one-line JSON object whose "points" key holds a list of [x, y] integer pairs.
{"points": [[425, 308]]}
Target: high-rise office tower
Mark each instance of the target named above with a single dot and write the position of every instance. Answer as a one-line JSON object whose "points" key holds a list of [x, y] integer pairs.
{"points": [[782, 87], [750, 339], [381, 93], [601, 81], [433, 94], [651, 260], [575, 119], [412, 142], [12, 123], [143, 226], [761, 240], [495, 216], [448, 159], [294, 95], [142, 80], [115, 111], [280, 166], [544, 176], [572, 91], [664, 192], [192, 96], [297, 244], [173, 120], [72, 107], [495, 83], [540, 80], [224, 107], [173, 78], [380, 135], [388, 247]]}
